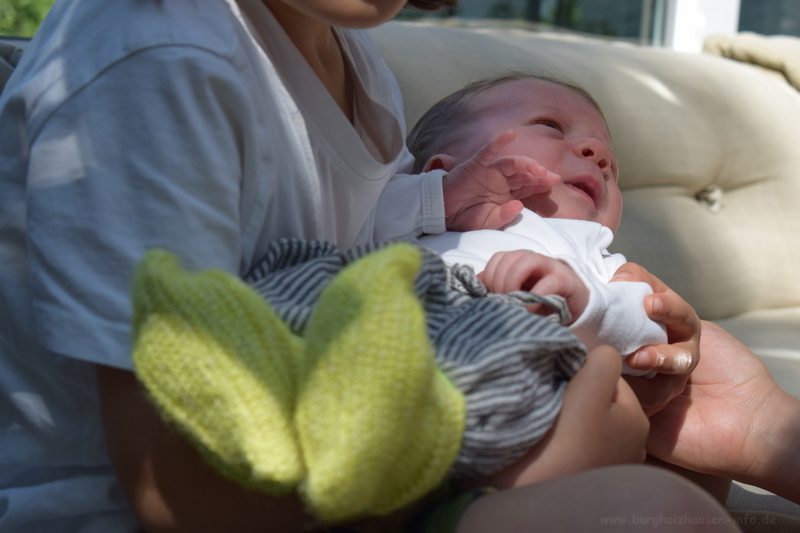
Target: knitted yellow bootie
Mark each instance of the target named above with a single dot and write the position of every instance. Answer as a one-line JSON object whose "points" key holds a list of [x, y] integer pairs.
{"points": [[222, 367], [379, 426]]}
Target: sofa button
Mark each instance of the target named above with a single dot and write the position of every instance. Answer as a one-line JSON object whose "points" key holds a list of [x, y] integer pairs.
{"points": [[711, 196]]}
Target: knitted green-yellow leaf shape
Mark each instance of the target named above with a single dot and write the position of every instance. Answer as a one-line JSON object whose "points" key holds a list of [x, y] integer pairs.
{"points": [[378, 425], [222, 367]]}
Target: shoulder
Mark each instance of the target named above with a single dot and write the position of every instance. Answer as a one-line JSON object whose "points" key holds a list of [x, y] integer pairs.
{"points": [[106, 29], [81, 39]]}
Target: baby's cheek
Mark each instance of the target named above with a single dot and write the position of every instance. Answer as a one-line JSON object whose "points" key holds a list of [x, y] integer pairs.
{"points": [[544, 204]]}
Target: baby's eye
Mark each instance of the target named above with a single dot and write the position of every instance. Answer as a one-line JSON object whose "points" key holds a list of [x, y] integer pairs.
{"points": [[549, 124]]}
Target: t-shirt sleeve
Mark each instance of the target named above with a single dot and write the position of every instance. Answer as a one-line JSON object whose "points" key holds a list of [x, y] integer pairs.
{"points": [[411, 205], [147, 155]]}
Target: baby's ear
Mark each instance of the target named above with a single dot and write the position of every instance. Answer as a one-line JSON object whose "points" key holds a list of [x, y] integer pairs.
{"points": [[440, 162]]}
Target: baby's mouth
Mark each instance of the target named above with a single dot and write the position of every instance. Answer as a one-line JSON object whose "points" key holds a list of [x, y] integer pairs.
{"points": [[587, 186]]}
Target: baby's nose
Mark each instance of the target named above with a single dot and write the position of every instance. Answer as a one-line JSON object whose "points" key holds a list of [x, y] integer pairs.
{"points": [[595, 151]]}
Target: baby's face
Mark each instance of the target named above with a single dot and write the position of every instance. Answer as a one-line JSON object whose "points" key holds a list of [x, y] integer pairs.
{"points": [[565, 133]]}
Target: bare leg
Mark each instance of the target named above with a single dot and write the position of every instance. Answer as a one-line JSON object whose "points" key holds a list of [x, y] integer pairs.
{"points": [[629, 497]]}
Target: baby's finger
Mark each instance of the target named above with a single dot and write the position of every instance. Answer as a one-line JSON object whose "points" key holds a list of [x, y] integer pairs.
{"points": [[519, 169], [494, 272], [525, 174], [522, 274], [507, 212], [553, 281], [487, 155]]}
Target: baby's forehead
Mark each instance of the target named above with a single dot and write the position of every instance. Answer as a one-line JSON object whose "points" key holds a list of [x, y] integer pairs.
{"points": [[532, 91], [551, 95]]}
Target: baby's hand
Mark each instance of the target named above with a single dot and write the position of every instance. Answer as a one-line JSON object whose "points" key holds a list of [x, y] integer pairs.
{"points": [[528, 271], [483, 192]]}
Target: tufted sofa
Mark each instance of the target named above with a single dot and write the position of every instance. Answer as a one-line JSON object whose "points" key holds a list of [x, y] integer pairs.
{"points": [[709, 153]]}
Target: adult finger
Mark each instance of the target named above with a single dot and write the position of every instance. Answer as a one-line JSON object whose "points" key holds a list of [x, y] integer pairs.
{"points": [[595, 384], [654, 394]]}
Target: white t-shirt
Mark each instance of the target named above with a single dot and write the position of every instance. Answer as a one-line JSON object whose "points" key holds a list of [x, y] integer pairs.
{"points": [[136, 124], [615, 313]]}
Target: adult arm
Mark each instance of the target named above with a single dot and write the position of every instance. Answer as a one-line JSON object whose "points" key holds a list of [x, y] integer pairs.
{"points": [[601, 423], [156, 162], [128, 163], [732, 420], [166, 482]]}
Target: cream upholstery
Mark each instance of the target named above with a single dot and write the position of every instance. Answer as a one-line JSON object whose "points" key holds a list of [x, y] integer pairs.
{"points": [[709, 152], [682, 124]]}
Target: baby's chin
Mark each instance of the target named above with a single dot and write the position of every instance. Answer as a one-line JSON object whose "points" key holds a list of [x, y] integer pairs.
{"points": [[549, 208]]}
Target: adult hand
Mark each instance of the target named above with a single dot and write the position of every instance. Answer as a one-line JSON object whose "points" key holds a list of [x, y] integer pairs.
{"points": [[483, 192], [674, 361], [732, 420], [601, 423]]}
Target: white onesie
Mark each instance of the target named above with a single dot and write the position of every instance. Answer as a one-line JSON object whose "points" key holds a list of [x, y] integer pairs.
{"points": [[615, 313]]}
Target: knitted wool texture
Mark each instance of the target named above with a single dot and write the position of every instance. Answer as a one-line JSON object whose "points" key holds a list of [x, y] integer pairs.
{"points": [[511, 365], [222, 367], [379, 427], [355, 415]]}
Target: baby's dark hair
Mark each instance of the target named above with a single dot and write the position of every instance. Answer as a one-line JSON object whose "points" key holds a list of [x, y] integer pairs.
{"points": [[431, 5], [442, 123]]}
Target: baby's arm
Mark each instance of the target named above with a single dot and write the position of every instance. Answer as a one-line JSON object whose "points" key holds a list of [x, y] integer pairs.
{"points": [[483, 192], [602, 313], [616, 316], [480, 193], [540, 274]]}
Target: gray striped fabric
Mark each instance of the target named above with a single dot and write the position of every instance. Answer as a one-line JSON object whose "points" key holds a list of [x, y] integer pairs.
{"points": [[511, 365]]}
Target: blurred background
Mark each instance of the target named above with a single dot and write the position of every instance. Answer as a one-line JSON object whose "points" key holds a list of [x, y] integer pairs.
{"points": [[20, 18], [678, 24]]}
